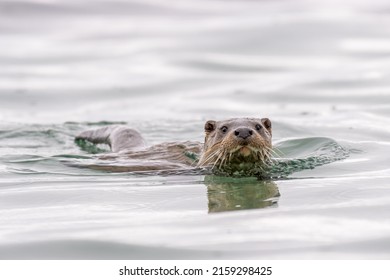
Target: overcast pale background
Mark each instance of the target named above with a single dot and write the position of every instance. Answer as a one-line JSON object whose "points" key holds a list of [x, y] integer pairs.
{"points": [[319, 69]]}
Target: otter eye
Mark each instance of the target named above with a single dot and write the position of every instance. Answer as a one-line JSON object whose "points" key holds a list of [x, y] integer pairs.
{"points": [[258, 127], [224, 129]]}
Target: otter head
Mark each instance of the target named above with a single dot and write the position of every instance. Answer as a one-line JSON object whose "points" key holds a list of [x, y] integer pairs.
{"points": [[237, 144]]}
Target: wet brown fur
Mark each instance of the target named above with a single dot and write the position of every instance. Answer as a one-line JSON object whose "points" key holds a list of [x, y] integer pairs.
{"points": [[223, 148]]}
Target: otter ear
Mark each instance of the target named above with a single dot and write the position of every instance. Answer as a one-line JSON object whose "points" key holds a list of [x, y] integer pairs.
{"points": [[210, 126], [267, 124]]}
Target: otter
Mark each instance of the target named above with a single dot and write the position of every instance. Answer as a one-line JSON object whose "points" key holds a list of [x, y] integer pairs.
{"points": [[238, 146]]}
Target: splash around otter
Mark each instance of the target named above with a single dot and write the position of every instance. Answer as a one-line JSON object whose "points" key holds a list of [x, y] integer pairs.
{"points": [[233, 147]]}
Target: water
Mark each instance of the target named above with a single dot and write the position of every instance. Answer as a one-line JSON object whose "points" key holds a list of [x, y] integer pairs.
{"points": [[319, 71]]}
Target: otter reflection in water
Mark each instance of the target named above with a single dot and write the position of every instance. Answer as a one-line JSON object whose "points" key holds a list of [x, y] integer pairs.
{"points": [[234, 147], [230, 194]]}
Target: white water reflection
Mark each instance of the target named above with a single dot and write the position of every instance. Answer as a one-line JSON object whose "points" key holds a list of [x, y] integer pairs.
{"points": [[316, 69]]}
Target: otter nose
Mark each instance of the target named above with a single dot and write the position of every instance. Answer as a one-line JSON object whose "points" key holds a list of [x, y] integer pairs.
{"points": [[243, 132]]}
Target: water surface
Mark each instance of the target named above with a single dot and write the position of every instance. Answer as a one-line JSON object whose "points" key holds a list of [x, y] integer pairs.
{"points": [[319, 71]]}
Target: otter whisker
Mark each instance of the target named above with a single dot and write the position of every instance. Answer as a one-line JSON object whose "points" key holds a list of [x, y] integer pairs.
{"points": [[219, 156], [216, 162], [221, 163], [216, 158], [224, 159], [212, 156], [266, 158], [262, 155], [262, 160], [278, 152], [209, 157], [268, 151], [213, 151]]}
